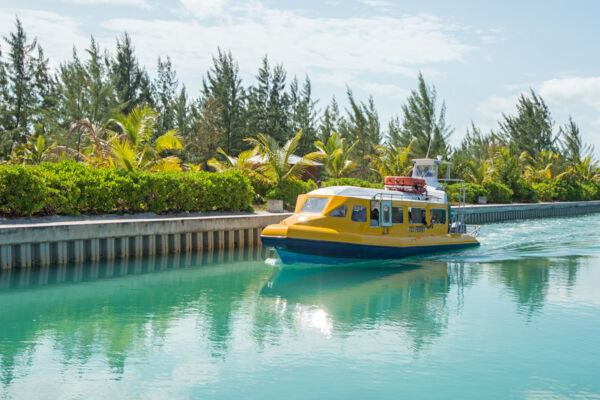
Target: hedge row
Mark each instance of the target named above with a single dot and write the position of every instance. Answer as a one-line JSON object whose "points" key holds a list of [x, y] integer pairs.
{"points": [[71, 188], [565, 188]]}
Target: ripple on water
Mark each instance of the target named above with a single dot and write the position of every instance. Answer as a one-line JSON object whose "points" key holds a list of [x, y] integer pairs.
{"points": [[524, 239]]}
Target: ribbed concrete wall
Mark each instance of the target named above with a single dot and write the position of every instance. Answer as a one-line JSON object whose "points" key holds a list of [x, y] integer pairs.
{"points": [[481, 214], [24, 244]]}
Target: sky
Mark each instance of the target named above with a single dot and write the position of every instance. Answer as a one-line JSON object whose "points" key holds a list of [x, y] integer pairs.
{"points": [[479, 55]]}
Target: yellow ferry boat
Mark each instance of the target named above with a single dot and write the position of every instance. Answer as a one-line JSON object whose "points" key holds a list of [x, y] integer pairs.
{"points": [[339, 224]]}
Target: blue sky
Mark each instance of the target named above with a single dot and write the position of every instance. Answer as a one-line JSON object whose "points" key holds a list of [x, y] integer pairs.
{"points": [[479, 55]]}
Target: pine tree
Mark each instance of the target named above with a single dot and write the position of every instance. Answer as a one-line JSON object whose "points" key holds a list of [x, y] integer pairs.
{"points": [[84, 91], [268, 104], [394, 131], [330, 121], [476, 145], [258, 101], [278, 107], [181, 113], [362, 125], [131, 82], [45, 117], [99, 89], [74, 100], [531, 129], [206, 131], [3, 97], [165, 88], [20, 97], [423, 122], [303, 115], [572, 146], [223, 94]]}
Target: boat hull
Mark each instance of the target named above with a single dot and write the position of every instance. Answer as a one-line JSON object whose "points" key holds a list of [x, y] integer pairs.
{"points": [[292, 250]]}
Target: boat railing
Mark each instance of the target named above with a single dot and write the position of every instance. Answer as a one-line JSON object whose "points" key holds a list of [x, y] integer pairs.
{"points": [[457, 216], [473, 230]]}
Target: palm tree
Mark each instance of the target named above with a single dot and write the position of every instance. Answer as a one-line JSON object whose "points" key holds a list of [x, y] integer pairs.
{"points": [[507, 165], [242, 163], [275, 164], [335, 154], [391, 160], [132, 147], [98, 153], [477, 171], [588, 170], [34, 151], [545, 166]]}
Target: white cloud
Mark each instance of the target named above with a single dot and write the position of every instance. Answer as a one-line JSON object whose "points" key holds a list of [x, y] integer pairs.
{"points": [[134, 3], [388, 90], [490, 111], [382, 5], [390, 45], [572, 91], [56, 33], [204, 8]]}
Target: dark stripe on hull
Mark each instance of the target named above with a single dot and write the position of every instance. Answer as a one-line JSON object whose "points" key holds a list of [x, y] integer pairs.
{"points": [[305, 250]]}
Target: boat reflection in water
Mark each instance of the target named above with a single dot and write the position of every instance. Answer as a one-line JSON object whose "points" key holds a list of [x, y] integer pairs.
{"points": [[412, 296]]}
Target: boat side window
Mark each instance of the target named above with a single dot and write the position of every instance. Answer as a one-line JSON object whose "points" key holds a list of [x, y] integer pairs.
{"points": [[438, 216], [314, 204], [397, 215], [417, 215], [359, 214], [339, 212]]}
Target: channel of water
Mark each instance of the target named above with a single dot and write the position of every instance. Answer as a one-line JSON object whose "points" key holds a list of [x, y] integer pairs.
{"points": [[517, 317]]}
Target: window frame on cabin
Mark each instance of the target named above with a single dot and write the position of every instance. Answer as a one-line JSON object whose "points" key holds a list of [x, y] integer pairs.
{"points": [[342, 207], [355, 210], [411, 214], [401, 215], [444, 213]]}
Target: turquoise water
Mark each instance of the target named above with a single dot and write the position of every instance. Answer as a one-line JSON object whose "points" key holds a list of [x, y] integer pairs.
{"points": [[518, 317]]}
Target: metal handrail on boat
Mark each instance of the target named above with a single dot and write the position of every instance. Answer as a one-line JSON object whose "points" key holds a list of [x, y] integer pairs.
{"points": [[475, 230], [457, 217]]}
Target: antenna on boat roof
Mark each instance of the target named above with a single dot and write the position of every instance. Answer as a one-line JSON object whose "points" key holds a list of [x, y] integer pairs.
{"points": [[428, 148]]}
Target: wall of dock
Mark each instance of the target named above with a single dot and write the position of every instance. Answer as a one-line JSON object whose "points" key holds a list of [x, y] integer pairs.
{"points": [[25, 244], [481, 214]]}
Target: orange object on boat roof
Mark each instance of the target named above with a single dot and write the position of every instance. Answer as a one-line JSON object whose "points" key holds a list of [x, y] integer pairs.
{"points": [[405, 184]]}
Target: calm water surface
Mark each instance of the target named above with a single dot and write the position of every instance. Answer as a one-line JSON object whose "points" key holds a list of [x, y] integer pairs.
{"points": [[518, 317]]}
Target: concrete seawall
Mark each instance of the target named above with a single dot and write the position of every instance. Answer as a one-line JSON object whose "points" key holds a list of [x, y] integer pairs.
{"points": [[24, 243], [481, 214]]}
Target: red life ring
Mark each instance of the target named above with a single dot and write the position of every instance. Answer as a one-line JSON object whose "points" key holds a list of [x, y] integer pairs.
{"points": [[405, 184]]}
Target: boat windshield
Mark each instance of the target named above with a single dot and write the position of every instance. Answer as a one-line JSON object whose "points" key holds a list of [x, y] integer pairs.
{"points": [[425, 171], [314, 205]]}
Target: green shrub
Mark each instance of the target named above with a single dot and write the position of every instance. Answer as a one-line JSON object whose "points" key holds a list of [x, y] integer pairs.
{"points": [[545, 191], [473, 191], [352, 182], [497, 192], [21, 191], [591, 191], [524, 192], [70, 188], [288, 191], [567, 188]]}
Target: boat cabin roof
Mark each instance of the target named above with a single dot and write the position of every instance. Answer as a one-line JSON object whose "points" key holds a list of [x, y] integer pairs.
{"points": [[372, 194]]}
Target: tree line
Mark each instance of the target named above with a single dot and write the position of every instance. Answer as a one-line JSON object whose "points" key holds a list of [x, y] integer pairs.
{"points": [[101, 101]]}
